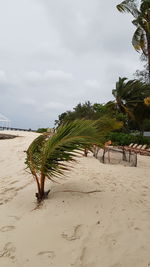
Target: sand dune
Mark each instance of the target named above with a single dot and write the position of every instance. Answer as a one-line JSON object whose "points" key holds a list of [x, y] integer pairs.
{"points": [[108, 228]]}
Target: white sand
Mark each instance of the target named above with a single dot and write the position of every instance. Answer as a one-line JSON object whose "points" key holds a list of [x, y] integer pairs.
{"points": [[110, 228]]}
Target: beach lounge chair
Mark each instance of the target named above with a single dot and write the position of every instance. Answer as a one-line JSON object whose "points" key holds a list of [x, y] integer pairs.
{"points": [[125, 146], [145, 152], [139, 148], [131, 147], [142, 149]]}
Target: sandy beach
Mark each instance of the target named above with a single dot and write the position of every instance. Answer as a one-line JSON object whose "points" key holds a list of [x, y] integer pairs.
{"points": [[109, 228]]}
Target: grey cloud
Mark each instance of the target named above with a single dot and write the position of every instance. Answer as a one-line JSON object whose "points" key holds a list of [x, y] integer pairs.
{"points": [[93, 84], [55, 54], [49, 76]]}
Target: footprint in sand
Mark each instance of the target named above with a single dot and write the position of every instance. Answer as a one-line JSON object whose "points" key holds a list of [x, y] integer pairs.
{"points": [[50, 255], [15, 217], [137, 228], [80, 262], [74, 235], [7, 228], [8, 251], [14, 182]]}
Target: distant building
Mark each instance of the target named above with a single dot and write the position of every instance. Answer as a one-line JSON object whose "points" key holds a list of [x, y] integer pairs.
{"points": [[4, 121]]}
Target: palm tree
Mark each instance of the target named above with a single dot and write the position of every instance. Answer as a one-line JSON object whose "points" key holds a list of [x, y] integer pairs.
{"points": [[129, 93], [126, 94], [130, 97], [47, 157], [141, 36]]}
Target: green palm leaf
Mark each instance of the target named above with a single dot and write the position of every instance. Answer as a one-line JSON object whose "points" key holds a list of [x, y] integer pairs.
{"points": [[138, 39], [128, 6]]}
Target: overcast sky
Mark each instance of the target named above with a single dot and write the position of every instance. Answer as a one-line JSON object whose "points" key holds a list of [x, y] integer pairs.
{"points": [[57, 53]]}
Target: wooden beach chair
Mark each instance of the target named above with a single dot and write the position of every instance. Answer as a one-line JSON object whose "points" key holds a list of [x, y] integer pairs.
{"points": [[121, 147], [131, 147], [137, 148], [145, 152]]}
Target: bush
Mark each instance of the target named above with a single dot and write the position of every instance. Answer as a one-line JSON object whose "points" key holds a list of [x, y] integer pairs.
{"points": [[41, 130], [147, 125], [123, 139]]}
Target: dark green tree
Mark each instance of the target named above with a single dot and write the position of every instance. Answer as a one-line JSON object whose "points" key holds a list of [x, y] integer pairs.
{"points": [[86, 110]]}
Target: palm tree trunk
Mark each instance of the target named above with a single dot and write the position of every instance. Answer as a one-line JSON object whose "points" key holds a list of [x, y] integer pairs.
{"points": [[41, 195], [148, 50], [42, 183], [38, 184], [142, 131]]}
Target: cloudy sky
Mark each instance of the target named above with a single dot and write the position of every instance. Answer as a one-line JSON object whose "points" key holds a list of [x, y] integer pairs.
{"points": [[57, 53]]}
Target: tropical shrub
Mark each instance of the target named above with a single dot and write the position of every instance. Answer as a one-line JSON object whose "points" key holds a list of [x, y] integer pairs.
{"points": [[41, 130], [123, 139]]}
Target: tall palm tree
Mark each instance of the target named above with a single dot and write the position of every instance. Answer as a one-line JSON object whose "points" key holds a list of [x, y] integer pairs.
{"points": [[130, 97], [127, 93], [141, 14], [47, 157]]}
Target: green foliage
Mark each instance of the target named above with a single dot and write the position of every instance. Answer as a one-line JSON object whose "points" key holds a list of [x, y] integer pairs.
{"points": [[86, 111], [123, 139], [129, 93], [147, 125], [81, 111], [41, 130], [130, 99], [105, 125]]}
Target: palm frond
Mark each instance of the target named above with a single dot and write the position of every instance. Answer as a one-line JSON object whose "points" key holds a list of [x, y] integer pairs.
{"points": [[128, 6], [138, 40], [46, 154], [145, 5]]}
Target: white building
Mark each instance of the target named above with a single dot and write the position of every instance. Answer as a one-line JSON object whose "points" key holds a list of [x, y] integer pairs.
{"points": [[4, 121]]}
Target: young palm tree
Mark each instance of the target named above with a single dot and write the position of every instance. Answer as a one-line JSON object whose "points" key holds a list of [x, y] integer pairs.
{"points": [[47, 156], [141, 36]]}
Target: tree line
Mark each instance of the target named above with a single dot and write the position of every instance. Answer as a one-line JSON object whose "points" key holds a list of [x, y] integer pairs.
{"points": [[131, 106]]}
